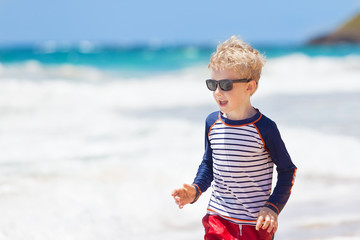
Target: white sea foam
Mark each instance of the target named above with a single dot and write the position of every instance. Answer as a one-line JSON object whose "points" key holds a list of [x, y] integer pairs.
{"points": [[296, 74], [87, 154]]}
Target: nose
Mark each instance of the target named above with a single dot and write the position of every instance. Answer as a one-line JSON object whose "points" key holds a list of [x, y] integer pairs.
{"points": [[218, 91]]}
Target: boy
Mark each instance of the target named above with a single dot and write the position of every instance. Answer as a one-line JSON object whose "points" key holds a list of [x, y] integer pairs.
{"points": [[241, 146]]}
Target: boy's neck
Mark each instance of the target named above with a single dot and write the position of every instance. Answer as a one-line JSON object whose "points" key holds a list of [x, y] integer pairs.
{"points": [[241, 114]]}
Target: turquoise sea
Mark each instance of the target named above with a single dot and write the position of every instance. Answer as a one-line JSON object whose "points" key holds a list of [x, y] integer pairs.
{"points": [[153, 58], [94, 138]]}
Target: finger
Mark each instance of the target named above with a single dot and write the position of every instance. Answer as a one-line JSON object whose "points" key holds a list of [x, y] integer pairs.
{"points": [[180, 203], [267, 222], [175, 192], [177, 200], [259, 222], [271, 226]]}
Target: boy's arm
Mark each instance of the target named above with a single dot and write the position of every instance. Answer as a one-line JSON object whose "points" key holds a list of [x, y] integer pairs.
{"points": [[286, 170], [204, 175]]}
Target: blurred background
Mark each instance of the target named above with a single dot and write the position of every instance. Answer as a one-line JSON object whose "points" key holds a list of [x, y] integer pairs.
{"points": [[103, 103]]}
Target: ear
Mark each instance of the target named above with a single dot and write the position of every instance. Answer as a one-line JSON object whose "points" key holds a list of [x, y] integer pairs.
{"points": [[251, 87]]}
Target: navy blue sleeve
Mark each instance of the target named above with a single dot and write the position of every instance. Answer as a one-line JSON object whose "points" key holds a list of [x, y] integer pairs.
{"points": [[284, 166], [204, 175]]}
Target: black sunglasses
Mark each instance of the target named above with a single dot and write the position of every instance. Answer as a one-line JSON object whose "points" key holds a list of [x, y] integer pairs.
{"points": [[225, 84]]}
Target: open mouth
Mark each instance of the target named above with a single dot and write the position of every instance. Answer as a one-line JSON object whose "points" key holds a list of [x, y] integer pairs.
{"points": [[223, 103]]}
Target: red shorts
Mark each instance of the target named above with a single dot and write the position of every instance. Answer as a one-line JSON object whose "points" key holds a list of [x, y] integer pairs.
{"points": [[217, 228]]}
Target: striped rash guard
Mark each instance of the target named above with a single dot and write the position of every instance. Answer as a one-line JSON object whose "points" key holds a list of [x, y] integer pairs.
{"points": [[238, 162]]}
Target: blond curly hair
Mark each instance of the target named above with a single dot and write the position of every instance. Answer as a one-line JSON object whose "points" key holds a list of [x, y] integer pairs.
{"points": [[237, 56]]}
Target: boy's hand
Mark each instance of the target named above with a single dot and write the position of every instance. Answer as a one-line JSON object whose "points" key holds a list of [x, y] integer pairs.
{"points": [[184, 195], [267, 219]]}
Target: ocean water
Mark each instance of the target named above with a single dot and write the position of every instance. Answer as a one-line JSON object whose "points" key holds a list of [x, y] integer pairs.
{"points": [[94, 139]]}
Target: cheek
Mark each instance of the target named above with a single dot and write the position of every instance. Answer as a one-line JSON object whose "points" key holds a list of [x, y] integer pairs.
{"points": [[234, 98], [237, 93], [231, 94]]}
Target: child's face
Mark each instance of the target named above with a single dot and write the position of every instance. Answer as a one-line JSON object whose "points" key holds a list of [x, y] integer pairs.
{"points": [[235, 100]]}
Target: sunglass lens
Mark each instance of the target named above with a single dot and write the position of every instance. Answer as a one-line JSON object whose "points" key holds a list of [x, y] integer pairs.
{"points": [[211, 84], [226, 85]]}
